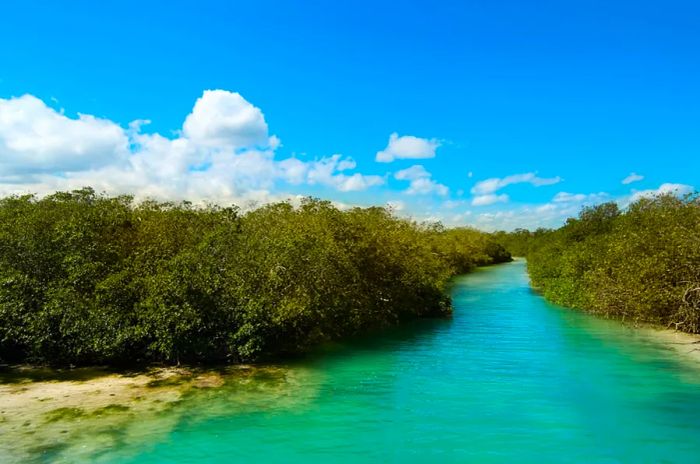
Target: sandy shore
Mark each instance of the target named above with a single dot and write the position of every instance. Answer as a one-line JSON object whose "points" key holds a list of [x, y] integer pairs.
{"points": [[59, 420], [39, 417], [686, 345]]}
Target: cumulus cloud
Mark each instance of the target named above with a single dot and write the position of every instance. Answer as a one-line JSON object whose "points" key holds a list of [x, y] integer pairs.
{"points": [[224, 152], [494, 184], [664, 189], [633, 177], [407, 147], [489, 199], [420, 181], [223, 119], [325, 172], [36, 139]]}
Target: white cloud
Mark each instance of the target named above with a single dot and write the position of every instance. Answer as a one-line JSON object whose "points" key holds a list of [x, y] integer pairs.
{"points": [[347, 163], [562, 206], [425, 186], [530, 217], [223, 119], [566, 197], [37, 139], [667, 188], [493, 221], [356, 182], [223, 153], [489, 199], [452, 204], [324, 172], [421, 182], [494, 184], [407, 147], [546, 208], [293, 170], [414, 172], [633, 177]]}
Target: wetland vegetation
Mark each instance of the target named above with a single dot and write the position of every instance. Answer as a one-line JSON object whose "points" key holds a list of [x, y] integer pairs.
{"points": [[88, 279], [640, 264]]}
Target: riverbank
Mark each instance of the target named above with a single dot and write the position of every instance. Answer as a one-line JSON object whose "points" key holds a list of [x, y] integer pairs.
{"points": [[686, 345], [640, 263], [42, 415]]}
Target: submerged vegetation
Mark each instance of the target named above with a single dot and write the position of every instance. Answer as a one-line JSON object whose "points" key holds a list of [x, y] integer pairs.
{"points": [[91, 279], [641, 264]]}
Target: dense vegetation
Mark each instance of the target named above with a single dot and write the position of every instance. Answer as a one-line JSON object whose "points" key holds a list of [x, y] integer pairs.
{"points": [[86, 278], [641, 265]]}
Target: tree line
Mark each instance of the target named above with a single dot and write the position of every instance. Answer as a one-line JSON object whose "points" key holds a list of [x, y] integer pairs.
{"points": [[640, 265], [87, 278]]}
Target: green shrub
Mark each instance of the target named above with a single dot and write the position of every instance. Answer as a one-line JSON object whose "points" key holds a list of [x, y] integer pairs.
{"points": [[92, 279], [641, 265]]}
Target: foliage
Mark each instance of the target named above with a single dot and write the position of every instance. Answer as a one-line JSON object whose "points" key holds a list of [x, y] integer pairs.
{"points": [[642, 264], [90, 279]]}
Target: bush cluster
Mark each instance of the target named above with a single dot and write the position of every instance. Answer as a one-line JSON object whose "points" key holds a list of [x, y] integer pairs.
{"points": [[640, 265], [92, 279]]}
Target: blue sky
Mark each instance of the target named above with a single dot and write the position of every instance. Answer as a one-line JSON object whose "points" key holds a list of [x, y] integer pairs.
{"points": [[505, 114]]}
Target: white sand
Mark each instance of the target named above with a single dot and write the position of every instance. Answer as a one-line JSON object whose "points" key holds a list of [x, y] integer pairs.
{"points": [[686, 345]]}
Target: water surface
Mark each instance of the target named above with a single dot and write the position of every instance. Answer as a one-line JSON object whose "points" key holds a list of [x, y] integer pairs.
{"points": [[510, 378]]}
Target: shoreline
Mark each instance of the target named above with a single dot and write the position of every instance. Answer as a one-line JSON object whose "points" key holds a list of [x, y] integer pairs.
{"points": [[97, 408], [38, 415], [685, 345]]}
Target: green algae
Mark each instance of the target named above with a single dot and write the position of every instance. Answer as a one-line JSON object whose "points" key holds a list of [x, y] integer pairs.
{"points": [[110, 409], [64, 414]]}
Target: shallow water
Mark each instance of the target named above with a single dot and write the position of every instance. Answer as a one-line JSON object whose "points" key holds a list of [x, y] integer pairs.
{"points": [[509, 378]]}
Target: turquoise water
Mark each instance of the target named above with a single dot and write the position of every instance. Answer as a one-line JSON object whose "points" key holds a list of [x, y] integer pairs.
{"points": [[509, 378]]}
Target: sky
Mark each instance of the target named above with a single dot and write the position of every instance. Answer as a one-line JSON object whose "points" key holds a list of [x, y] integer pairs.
{"points": [[494, 114]]}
